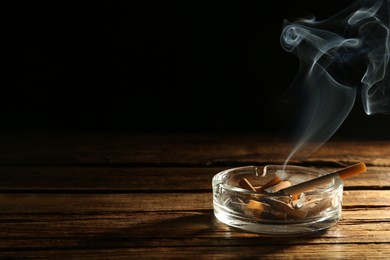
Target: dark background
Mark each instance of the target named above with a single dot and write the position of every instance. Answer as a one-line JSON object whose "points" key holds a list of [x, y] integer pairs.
{"points": [[157, 66]]}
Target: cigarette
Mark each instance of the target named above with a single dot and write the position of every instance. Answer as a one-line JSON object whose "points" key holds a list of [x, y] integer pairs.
{"points": [[253, 204], [256, 208], [271, 183], [280, 186], [295, 196], [325, 179]]}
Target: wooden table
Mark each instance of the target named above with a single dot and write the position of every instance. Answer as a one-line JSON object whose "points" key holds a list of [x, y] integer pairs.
{"points": [[149, 196]]}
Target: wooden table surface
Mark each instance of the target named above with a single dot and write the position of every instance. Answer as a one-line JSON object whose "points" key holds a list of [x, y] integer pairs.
{"points": [[108, 196]]}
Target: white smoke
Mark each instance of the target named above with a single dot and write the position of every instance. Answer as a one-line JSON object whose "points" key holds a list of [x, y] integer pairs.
{"points": [[357, 38]]}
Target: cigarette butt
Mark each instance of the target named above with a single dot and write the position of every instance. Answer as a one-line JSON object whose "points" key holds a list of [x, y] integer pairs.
{"points": [[255, 208], [253, 204], [271, 183], [295, 196], [245, 184], [278, 187]]}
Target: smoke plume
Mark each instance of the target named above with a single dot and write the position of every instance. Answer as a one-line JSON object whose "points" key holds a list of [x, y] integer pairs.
{"points": [[340, 58]]}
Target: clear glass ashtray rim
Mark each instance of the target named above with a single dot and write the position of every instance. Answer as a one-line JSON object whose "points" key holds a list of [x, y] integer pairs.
{"points": [[217, 180]]}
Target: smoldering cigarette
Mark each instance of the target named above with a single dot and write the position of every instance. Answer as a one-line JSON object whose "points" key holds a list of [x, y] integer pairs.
{"points": [[325, 179]]}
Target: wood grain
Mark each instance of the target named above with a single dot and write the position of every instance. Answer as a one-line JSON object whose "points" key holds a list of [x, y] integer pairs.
{"points": [[349, 251], [180, 150], [189, 228], [130, 179], [85, 203], [125, 196]]}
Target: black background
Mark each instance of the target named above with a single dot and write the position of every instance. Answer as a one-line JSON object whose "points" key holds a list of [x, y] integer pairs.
{"points": [[157, 66]]}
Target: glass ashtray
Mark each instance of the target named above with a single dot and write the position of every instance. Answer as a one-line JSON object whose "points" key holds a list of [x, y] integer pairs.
{"points": [[273, 212]]}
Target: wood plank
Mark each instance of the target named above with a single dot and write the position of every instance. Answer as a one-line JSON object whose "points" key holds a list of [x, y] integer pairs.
{"points": [[172, 229], [129, 179], [366, 198], [348, 251], [54, 209], [375, 177], [85, 203], [70, 221], [112, 179], [169, 149]]}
